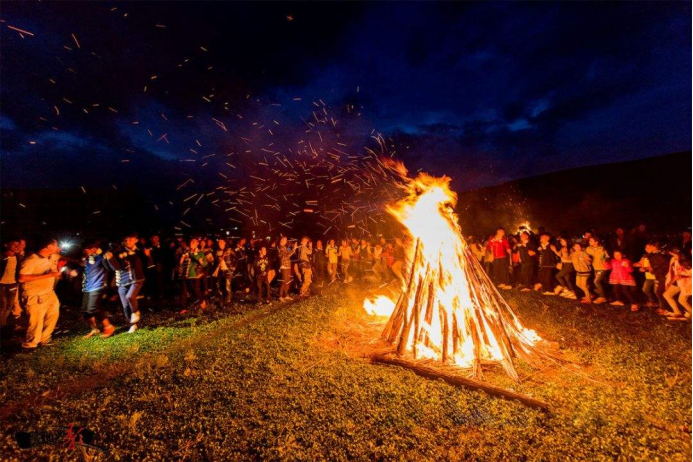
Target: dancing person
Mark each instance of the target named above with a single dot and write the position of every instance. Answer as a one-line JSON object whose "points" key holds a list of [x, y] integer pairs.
{"points": [[648, 287], [500, 249], [37, 276], [191, 272], [345, 254], [224, 269], [582, 263], [94, 285], [305, 250], [8, 282], [332, 255], [284, 255], [547, 263], [566, 269], [527, 254], [621, 277], [128, 262], [319, 263], [600, 258], [678, 282], [262, 267]]}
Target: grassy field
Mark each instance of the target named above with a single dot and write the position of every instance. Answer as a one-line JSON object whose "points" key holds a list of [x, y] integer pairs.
{"points": [[292, 382]]}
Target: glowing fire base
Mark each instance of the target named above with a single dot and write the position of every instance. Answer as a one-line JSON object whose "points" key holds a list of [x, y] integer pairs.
{"points": [[449, 310]]}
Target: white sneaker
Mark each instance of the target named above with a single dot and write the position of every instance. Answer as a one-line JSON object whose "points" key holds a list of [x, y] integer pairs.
{"points": [[132, 329], [135, 317]]}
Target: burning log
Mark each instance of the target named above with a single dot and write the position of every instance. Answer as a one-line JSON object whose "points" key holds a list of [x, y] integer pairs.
{"points": [[428, 371], [449, 310]]}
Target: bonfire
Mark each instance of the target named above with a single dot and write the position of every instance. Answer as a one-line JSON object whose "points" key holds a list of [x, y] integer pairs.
{"points": [[448, 309]]}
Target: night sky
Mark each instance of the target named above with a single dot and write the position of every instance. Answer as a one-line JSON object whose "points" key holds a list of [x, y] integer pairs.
{"points": [[122, 94]]}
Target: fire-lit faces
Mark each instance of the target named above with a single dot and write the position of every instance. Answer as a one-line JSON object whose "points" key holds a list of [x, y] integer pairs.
{"points": [[524, 238], [90, 251], [53, 247], [500, 233], [130, 242], [263, 251], [194, 243], [577, 247], [282, 241], [593, 242], [331, 242], [544, 239], [154, 240], [222, 244], [649, 248], [304, 241], [618, 255], [318, 244]]}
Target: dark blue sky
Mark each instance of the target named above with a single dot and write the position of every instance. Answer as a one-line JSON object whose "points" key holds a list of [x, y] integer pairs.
{"points": [[483, 92]]}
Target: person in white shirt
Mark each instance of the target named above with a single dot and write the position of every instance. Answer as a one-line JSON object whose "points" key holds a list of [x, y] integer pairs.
{"points": [[37, 277]]}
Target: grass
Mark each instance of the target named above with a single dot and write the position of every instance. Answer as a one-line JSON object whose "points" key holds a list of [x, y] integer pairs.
{"points": [[290, 382]]}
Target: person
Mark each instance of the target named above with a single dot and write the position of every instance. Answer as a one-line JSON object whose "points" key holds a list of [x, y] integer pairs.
{"points": [[686, 242], [37, 275], [659, 267], [242, 264], [547, 263], [648, 287], [332, 255], [345, 254], [476, 248], [678, 282], [262, 267], [500, 249], [564, 276], [285, 255], [319, 263], [582, 263], [305, 250], [527, 255], [94, 285], [128, 262], [621, 277], [8, 282], [619, 242], [191, 267], [600, 258], [224, 268]]}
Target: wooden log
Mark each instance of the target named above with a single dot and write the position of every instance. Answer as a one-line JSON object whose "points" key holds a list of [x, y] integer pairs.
{"points": [[395, 322], [458, 380]]}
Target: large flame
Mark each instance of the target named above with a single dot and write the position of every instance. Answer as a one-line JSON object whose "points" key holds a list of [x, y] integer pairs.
{"points": [[448, 308]]}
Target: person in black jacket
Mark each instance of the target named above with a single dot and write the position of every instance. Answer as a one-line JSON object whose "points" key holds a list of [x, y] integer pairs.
{"points": [[547, 263], [129, 262], [261, 265], [527, 253], [224, 268], [659, 267]]}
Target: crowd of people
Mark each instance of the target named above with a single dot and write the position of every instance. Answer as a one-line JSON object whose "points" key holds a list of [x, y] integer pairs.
{"points": [[592, 269], [188, 273], [185, 273]]}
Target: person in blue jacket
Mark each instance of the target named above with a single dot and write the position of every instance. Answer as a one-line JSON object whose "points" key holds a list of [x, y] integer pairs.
{"points": [[94, 284]]}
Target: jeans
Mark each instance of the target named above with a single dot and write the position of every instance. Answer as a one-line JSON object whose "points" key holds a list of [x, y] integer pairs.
{"points": [[648, 288], [307, 276], [599, 276], [286, 282], [128, 298], [188, 286], [565, 276]]}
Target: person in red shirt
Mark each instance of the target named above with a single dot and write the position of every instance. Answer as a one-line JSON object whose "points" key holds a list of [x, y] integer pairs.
{"points": [[500, 248]]}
